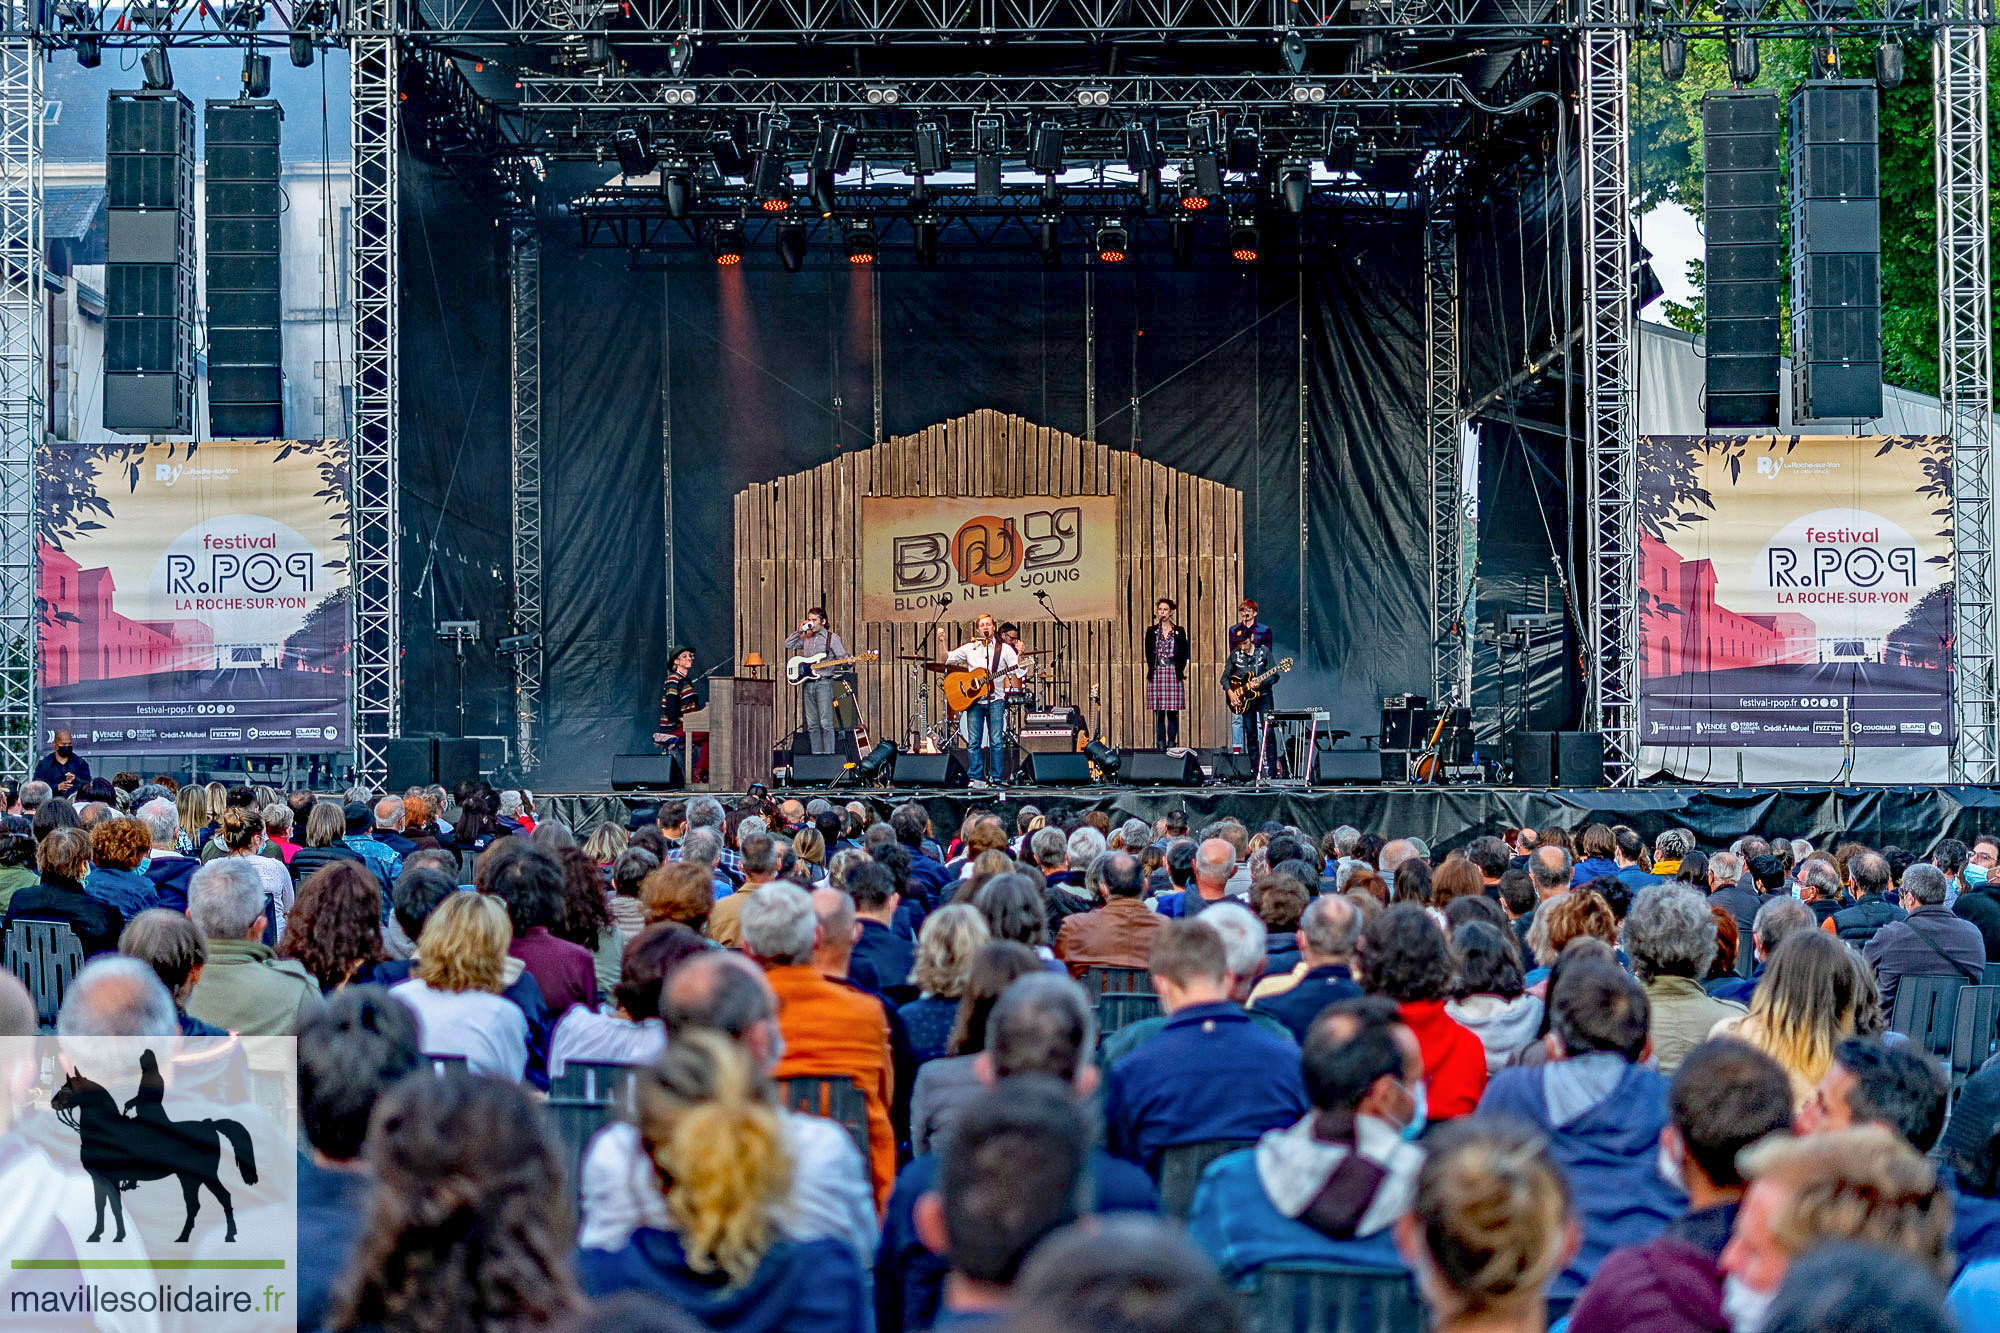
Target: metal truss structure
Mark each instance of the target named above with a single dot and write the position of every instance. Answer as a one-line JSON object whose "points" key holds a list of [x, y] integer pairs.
{"points": [[1449, 658], [373, 452], [22, 376], [1965, 376], [524, 309], [1610, 437]]}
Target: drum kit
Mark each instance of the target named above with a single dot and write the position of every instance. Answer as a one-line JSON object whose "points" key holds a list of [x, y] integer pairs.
{"points": [[964, 687]]}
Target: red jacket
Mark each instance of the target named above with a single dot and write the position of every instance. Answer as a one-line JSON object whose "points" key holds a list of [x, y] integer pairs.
{"points": [[1454, 1059]]}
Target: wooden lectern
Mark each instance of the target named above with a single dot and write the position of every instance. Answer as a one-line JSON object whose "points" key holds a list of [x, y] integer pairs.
{"points": [[738, 721]]}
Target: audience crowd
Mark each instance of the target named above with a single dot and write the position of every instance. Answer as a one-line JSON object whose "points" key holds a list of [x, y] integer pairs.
{"points": [[1044, 1075]]}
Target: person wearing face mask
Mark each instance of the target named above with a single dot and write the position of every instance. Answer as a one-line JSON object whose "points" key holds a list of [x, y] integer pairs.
{"points": [[1602, 1109], [1328, 1189], [1978, 898], [63, 768], [1861, 1184], [1726, 1096]]}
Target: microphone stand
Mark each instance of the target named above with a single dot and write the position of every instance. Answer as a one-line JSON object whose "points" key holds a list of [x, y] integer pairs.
{"points": [[1063, 679], [920, 713]]}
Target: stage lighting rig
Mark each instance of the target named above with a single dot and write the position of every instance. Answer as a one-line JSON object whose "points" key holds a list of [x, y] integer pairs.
{"points": [[677, 186], [792, 244], [1309, 94], [1744, 60], [833, 154], [1180, 242], [80, 17], [1114, 243], [1090, 98], [1889, 63], [773, 172], [1343, 145], [680, 55], [1246, 146], [728, 243], [732, 159], [1245, 243], [635, 152], [1045, 153], [1048, 238], [989, 140], [1205, 164], [677, 96], [883, 95], [1295, 186], [925, 231], [861, 242], [1673, 57], [157, 72], [1143, 160], [256, 74], [932, 153], [1292, 49]]}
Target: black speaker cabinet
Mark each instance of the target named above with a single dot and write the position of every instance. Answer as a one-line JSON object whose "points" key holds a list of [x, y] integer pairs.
{"points": [[931, 770], [1157, 768], [1228, 766], [1534, 758], [411, 762], [1740, 194], [818, 770], [645, 772], [1579, 759], [1361, 768], [457, 759], [1057, 769]]}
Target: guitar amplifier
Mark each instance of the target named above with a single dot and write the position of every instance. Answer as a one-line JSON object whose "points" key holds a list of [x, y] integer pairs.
{"points": [[1053, 731]]}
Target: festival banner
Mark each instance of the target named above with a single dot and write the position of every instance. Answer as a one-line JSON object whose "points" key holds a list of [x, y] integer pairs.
{"points": [[992, 554], [1795, 591], [194, 599]]}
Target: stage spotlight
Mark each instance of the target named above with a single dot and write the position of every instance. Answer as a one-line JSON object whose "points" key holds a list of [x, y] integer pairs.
{"points": [[157, 70], [1889, 63], [1244, 242], [1191, 200], [635, 153], [1673, 57], [774, 177], [925, 231], [728, 243], [677, 186], [256, 74], [300, 45], [882, 94], [1048, 238], [725, 145], [1295, 186], [833, 153], [1045, 154], [1106, 758], [1343, 145], [680, 55], [860, 242], [875, 765], [1743, 60], [792, 245], [1292, 48], [1204, 144], [677, 96], [1204, 131], [1309, 94], [1114, 243], [932, 154], [989, 136], [1180, 241], [1093, 97], [1246, 146]]}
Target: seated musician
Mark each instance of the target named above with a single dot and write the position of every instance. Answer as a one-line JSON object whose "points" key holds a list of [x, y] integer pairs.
{"points": [[678, 698]]}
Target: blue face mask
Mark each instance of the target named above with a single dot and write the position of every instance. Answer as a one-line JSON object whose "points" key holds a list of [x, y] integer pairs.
{"points": [[1420, 1113], [1975, 875]]}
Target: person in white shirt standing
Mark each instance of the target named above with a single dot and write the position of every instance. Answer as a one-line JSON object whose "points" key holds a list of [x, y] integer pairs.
{"points": [[986, 720]]}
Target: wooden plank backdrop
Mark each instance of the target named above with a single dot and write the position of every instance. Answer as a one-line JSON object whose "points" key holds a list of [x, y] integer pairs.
{"points": [[798, 544]]}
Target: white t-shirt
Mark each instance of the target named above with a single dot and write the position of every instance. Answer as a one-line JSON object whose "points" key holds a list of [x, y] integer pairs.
{"points": [[490, 1032], [604, 1037]]}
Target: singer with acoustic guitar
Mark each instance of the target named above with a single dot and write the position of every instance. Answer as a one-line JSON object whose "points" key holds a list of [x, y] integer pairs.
{"points": [[983, 657], [815, 639]]}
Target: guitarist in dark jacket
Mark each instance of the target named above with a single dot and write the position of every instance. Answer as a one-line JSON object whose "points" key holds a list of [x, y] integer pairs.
{"points": [[1249, 657]]}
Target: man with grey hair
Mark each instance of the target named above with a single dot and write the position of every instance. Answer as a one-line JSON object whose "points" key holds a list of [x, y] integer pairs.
{"points": [[1049, 849], [1085, 845], [245, 987], [829, 1030], [1327, 933], [389, 822], [701, 847], [762, 859], [1874, 904], [1668, 850], [1394, 853], [165, 866], [1244, 941], [1726, 890], [1118, 934], [1550, 868], [34, 795], [1776, 920], [830, 1196], [1214, 867], [1670, 935], [1819, 890], [117, 997], [1931, 941]]}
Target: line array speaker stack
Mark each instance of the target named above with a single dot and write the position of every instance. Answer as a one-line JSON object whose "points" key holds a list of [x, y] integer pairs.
{"points": [[149, 263], [245, 322], [1739, 138], [1836, 252]]}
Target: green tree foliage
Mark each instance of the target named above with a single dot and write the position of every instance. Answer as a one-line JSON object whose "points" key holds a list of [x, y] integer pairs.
{"points": [[1668, 163]]}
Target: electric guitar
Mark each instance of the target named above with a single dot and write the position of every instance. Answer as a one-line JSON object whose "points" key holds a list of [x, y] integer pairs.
{"points": [[1243, 697], [799, 670], [962, 689]]}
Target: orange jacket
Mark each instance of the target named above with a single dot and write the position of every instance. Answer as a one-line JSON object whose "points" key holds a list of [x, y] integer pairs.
{"points": [[833, 1032]]}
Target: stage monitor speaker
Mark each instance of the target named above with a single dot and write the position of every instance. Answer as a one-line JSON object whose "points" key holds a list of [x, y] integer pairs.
{"points": [[1836, 252], [1053, 768], [818, 770], [1407, 728], [245, 343], [1534, 758], [1157, 768], [1739, 136], [457, 759], [149, 248], [1579, 759], [1228, 766], [411, 762], [1362, 768], [930, 770], [645, 772]]}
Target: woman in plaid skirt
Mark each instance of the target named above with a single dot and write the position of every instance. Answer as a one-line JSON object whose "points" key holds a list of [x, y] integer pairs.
{"points": [[1166, 673]]}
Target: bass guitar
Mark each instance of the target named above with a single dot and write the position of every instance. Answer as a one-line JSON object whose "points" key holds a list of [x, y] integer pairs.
{"points": [[799, 670], [962, 689], [1244, 697]]}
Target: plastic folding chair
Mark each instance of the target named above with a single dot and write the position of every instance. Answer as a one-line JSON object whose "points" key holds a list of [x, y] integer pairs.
{"points": [[1313, 1298], [1926, 1008], [835, 1098], [46, 956], [1181, 1167]]}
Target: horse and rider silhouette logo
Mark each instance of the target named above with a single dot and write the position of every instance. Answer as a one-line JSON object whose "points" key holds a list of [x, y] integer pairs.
{"points": [[120, 1151]]}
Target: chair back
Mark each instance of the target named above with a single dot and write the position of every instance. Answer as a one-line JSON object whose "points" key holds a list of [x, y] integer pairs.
{"points": [[1315, 1298], [46, 956], [1115, 1010], [1975, 1030], [582, 1099], [1991, 976], [1181, 1167], [835, 1098], [1100, 981], [1926, 1009]]}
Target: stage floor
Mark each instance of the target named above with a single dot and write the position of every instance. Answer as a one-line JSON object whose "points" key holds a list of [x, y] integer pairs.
{"points": [[1911, 817]]}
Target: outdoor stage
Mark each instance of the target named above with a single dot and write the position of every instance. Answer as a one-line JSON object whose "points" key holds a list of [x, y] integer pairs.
{"points": [[1910, 817]]}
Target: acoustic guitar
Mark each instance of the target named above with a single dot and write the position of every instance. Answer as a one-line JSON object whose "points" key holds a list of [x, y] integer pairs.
{"points": [[1244, 697], [964, 688]]}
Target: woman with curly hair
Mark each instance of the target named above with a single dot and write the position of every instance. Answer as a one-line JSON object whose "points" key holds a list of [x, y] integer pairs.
{"points": [[420, 824], [950, 939], [585, 917], [1561, 919], [335, 927], [681, 892], [1403, 955], [469, 1227], [711, 1126]]}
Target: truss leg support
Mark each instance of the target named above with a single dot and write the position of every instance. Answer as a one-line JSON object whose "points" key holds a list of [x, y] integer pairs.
{"points": [[525, 321], [1441, 425], [23, 372]]}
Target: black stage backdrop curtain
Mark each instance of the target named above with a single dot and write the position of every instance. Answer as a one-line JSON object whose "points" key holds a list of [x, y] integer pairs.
{"points": [[722, 378]]}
